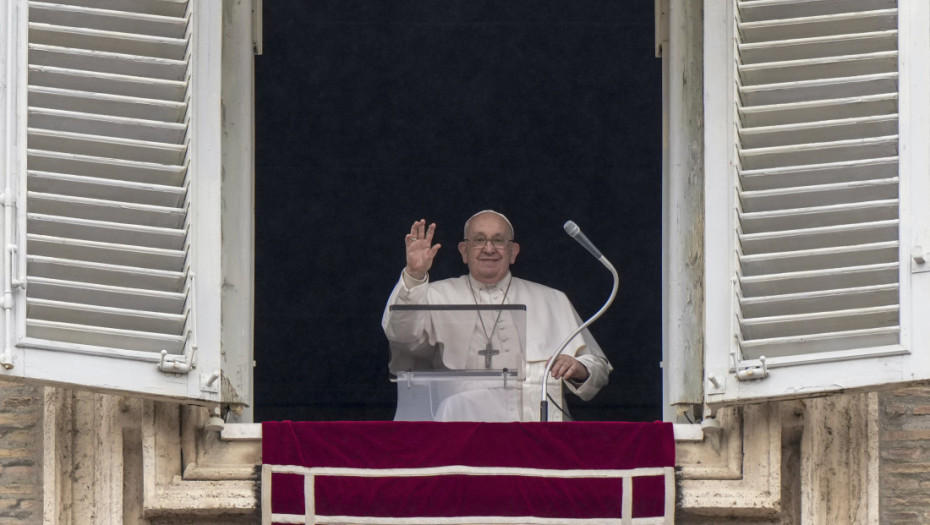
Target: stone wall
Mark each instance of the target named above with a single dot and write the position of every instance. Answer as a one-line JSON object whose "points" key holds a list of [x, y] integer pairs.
{"points": [[905, 456], [904, 466], [20, 454]]}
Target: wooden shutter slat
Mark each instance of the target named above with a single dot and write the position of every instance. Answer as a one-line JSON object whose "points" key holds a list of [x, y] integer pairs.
{"points": [[819, 322], [119, 21], [819, 216], [844, 192], [106, 210], [95, 337], [109, 147], [818, 258], [820, 301], [107, 62], [103, 295], [87, 314], [106, 189], [107, 83], [819, 237], [105, 231], [757, 10], [107, 125], [818, 110], [170, 8], [818, 25], [107, 274], [818, 280], [816, 47], [107, 104], [105, 167], [820, 131], [819, 173], [818, 68], [809, 153], [810, 344], [818, 89], [105, 252], [111, 41]]}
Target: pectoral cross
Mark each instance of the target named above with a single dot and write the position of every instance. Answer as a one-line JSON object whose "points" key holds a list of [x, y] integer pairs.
{"points": [[488, 353]]}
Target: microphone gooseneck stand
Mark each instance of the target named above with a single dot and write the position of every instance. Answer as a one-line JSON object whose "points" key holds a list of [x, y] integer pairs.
{"points": [[572, 229]]}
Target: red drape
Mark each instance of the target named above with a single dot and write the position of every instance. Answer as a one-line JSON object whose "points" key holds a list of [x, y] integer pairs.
{"points": [[575, 445]]}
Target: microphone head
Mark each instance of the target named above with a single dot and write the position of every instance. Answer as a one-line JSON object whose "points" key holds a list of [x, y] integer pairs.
{"points": [[571, 228]]}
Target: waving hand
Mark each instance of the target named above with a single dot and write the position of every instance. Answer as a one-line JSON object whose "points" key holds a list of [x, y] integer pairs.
{"points": [[420, 249]]}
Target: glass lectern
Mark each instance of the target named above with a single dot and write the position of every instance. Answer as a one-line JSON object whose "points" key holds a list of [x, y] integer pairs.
{"points": [[458, 362]]}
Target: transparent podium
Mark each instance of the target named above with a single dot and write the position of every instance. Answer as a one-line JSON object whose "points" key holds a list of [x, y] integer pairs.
{"points": [[458, 362]]}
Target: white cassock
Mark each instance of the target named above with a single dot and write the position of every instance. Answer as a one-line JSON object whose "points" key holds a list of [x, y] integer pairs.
{"points": [[550, 318]]}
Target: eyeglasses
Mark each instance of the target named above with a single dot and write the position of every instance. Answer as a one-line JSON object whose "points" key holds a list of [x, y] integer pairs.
{"points": [[480, 242]]}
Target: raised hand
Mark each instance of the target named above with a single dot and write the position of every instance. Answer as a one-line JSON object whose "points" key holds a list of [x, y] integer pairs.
{"points": [[420, 249]]}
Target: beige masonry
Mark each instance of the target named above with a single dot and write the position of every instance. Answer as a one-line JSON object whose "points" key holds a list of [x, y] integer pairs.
{"points": [[71, 457]]}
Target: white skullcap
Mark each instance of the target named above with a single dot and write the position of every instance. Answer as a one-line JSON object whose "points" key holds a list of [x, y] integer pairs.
{"points": [[499, 214]]}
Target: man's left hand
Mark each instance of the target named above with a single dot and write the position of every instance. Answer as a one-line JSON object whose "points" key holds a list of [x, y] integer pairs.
{"points": [[567, 367]]}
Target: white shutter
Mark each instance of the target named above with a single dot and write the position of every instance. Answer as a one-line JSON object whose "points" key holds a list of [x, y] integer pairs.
{"points": [[817, 213], [817, 176], [120, 202]]}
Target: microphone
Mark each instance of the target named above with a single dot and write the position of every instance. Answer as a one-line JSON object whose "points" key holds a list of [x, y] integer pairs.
{"points": [[572, 229]]}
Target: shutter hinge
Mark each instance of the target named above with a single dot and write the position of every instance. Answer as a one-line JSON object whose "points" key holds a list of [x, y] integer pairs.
{"points": [[210, 382], [177, 366], [8, 258], [181, 364], [919, 261], [752, 369]]}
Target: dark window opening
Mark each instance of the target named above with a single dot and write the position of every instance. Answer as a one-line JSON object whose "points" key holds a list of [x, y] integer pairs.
{"points": [[371, 115]]}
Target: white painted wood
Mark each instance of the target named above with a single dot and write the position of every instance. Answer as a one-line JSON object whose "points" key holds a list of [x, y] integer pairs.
{"points": [[103, 295], [785, 24], [830, 173], [823, 184], [109, 83], [108, 103], [205, 192], [818, 89], [106, 189], [101, 340], [107, 125], [109, 41], [238, 232], [769, 9], [820, 46], [719, 210], [819, 109], [683, 303], [120, 223], [915, 176], [117, 169], [108, 19]]}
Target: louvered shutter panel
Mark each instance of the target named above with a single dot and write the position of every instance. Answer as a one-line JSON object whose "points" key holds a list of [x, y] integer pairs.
{"points": [[817, 178], [117, 145], [815, 188], [107, 207]]}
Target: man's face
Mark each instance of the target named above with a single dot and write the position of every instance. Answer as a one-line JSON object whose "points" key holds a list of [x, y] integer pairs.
{"points": [[488, 263]]}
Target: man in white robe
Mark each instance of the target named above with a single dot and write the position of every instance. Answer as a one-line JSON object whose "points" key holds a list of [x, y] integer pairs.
{"points": [[489, 250]]}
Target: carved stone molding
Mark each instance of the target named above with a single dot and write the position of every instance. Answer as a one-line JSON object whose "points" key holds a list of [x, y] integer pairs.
{"points": [[741, 477]]}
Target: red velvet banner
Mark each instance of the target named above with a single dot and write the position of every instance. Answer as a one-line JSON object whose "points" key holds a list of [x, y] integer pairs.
{"points": [[383, 445]]}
